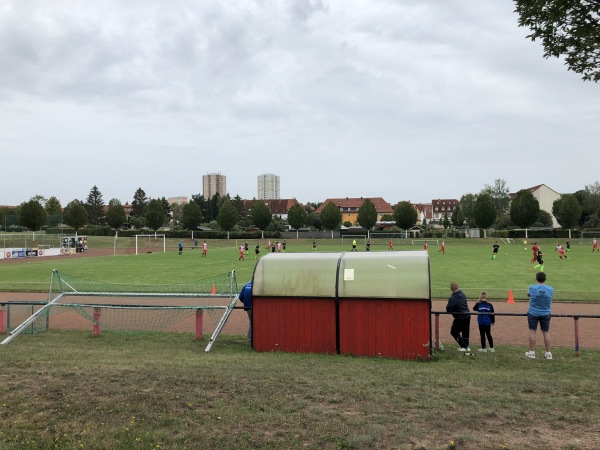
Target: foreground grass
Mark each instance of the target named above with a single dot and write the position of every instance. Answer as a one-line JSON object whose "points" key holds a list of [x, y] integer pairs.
{"points": [[68, 390], [467, 261]]}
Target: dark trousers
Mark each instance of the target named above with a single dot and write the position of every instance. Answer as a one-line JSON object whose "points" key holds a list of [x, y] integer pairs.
{"points": [[460, 331], [249, 311], [486, 330]]}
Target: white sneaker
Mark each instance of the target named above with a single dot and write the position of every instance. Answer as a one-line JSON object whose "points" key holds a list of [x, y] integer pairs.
{"points": [[468, 349], [548, 355], [491, 350], [482, 350], [530, 355], [462, 349]]}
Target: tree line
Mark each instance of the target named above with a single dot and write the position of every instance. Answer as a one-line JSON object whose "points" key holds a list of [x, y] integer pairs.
{"points": [[491, 207]]}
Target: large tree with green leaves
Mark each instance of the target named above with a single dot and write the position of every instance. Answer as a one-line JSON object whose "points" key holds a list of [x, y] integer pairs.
{"points": [[228, 216], [75, 215], [467, 203], [139, 203], [568, 28], [53, 206], [261, 215], [166, 206], [499, 193], [484, 212], [567, 211], [155, 214], [405, 215], [33, 215], [115, 215], [367, 214], [297, 216], [331, 217], [544, 220], [94, 205], [191, 216], [589, 199], [54, 210], [239, 206], [524, 209], [457, 217]]}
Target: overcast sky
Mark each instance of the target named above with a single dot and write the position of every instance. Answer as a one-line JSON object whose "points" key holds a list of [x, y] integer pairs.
{"points": [[405, 100]]}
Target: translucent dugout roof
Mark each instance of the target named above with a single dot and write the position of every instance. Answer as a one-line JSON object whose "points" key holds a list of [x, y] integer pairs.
{"points": [[401, 275], [296, 275]]}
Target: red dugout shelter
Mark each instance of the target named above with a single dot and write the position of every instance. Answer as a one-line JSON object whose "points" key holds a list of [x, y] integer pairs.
{"points": [[364, 304]]}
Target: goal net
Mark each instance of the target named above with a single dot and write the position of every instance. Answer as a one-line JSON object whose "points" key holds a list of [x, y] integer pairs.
{"points": [[586, 237], [422, 241], [385, 238], [74, 302], [509, 241], [150, 243]]}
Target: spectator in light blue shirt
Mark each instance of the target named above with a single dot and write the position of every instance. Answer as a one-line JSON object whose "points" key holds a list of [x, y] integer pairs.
{"points": [[540, 303]]}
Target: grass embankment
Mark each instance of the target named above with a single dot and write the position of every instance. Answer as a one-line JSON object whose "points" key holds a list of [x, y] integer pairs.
{"points": [[467, 261], [68, 390]]}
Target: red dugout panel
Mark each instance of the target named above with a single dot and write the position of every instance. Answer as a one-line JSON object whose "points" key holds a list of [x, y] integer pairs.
{"points": [[389, 328], [304, 325]]}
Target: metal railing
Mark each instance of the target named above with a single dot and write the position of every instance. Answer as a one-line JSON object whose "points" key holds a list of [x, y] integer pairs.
{"points": [[575, 317]]}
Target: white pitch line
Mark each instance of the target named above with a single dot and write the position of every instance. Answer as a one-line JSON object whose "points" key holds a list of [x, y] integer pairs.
{"points": [[391, 267]]}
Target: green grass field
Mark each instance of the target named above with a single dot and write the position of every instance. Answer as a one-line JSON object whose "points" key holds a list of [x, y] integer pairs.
{"points": [[466, 261], [67, 390]]}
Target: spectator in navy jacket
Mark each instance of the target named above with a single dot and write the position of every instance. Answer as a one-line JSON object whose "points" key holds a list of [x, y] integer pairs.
{"points": [[485, 321], [457, 305]]}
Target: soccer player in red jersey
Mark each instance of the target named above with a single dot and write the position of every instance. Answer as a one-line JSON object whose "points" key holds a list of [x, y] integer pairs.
{"points": [[535, 249]]}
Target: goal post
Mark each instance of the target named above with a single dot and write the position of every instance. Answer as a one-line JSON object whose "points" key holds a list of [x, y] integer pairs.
{"points": [[134, 308], [586, 237], [146, 243], [422, 241]]}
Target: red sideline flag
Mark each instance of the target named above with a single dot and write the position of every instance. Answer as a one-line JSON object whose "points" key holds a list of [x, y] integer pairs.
{"points": [[213, 291]]}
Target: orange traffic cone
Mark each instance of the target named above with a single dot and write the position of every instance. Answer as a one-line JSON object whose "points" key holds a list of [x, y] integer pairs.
{"points": [[511, 299], [213, 291]]}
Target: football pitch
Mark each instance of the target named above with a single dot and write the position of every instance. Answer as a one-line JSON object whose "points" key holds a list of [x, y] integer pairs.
{"points": [[466, 261], [148, 390]]}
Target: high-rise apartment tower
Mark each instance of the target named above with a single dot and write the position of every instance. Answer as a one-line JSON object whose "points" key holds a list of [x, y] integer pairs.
{"points": [[214, 183], [268, 187]]}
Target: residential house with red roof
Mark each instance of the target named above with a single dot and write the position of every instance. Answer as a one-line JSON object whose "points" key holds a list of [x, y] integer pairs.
{"points": [[443, 206], [278, 207], [349, 207]]}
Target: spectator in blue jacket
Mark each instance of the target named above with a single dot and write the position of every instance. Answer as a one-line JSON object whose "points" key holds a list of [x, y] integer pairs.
{"points": [[457, 305], [485, 321], [246, 298]]}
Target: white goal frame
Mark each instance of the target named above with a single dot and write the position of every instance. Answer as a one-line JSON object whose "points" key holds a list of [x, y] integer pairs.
{"points": [[507, 240], [586, 237], [422, 241], [155, 236], [358, 237], [60, 301]]}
